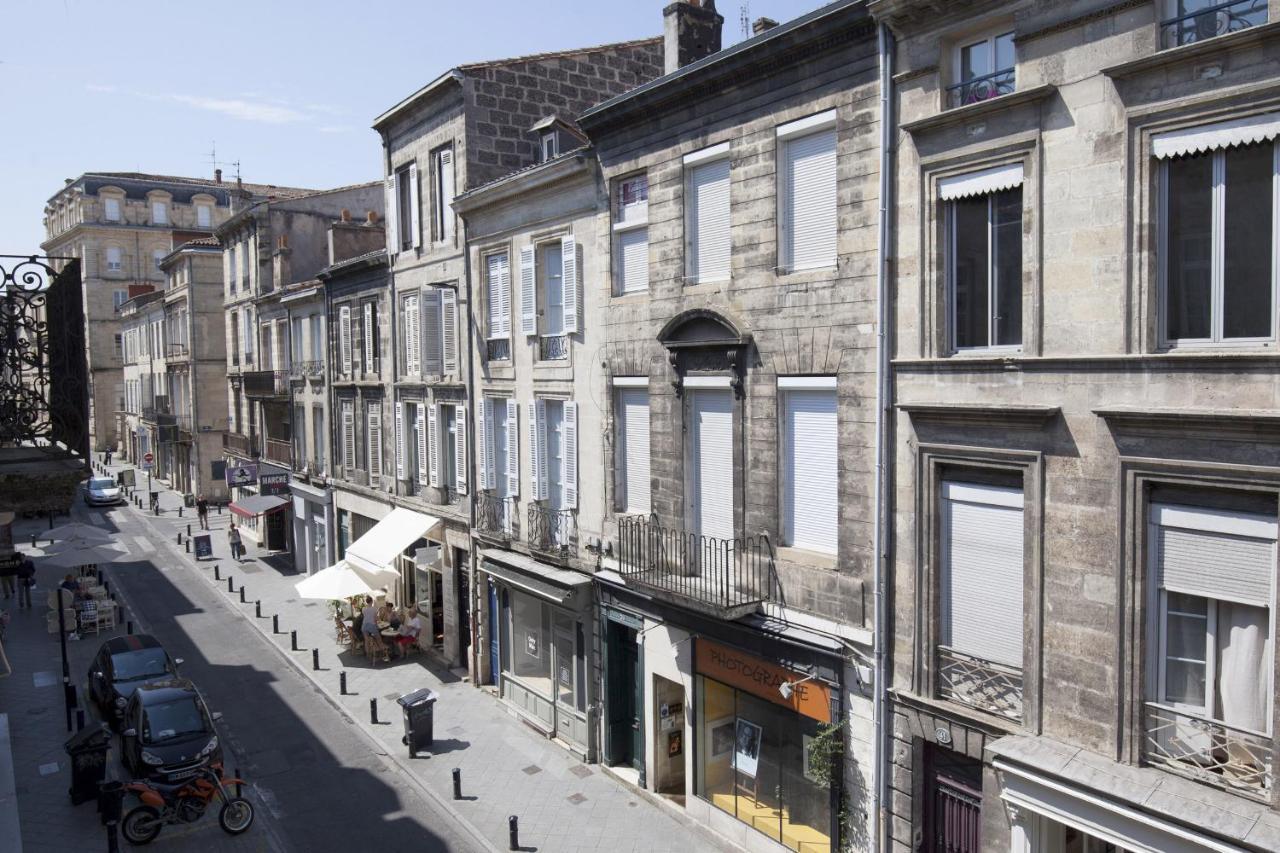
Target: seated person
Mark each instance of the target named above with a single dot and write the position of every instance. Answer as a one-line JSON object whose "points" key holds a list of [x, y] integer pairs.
{"points": [[409, 632], [70, 584]]}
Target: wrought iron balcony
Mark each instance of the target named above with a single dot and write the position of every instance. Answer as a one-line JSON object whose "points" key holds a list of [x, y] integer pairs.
{"points": [[551, 533], [726, 578], [176, 352], [1211, 21], [553, 347], [266, 383], [279, 451], [981, 88], [237, 443], [307, 369], [495, 517], [498, 349], [982, 684], [1207, 751]]}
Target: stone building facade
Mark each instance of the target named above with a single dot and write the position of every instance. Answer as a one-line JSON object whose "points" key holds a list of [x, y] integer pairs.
{"points": [[738, 393], [1085, 472]]}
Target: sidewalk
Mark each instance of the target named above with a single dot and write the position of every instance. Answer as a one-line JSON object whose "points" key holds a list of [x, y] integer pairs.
{"points": [[563, 805]]}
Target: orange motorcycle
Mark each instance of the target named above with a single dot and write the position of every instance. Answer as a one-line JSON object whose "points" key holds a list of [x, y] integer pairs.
{"points": [[184, 802]]}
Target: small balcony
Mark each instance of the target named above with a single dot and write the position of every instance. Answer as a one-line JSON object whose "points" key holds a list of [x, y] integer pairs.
{"points": [[553, 348], [266, 384], [495, 518], [978, 683], [1207, 751], [726, 578], [498, 349], [1212, 21], [981, 88], [176, 352], [307, 370], [551, 533], [237, 443], [280, 452]]}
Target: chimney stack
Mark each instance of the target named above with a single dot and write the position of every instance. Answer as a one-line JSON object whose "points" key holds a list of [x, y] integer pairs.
{"points": [[690, 31], [217, 176], [763, 25], [346, 215]]}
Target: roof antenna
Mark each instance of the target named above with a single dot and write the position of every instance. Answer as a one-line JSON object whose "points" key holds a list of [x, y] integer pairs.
{"points": [[216, 163], [744, 19]]}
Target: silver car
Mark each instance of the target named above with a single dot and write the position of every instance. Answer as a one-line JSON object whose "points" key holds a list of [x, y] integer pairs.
{"points": [[101, 491]]}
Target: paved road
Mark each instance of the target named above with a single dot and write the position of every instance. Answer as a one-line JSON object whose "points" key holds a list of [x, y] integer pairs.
{"points": [[320, 784]]}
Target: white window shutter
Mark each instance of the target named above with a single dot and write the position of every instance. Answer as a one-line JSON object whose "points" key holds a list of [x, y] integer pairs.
{"points": [[460, 448], [344, 337], [400, 448], [633, 260], [571, 455], [449, 329], [572, 293], [412, 344], [348, 436], [375, 444], [446, 194], [809, 201], [432, 349], [709, 233], [484, 420], [513, 448], [433, 446], [528, 294], [424, 473], [369, 332], [415, 209], [540, 429], [393, 233], [504, 296]]}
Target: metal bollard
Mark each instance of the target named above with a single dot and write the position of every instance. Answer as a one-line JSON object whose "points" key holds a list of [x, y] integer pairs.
{"points": [[179, 537], [342, 683], [513, 833], [128, 627], [293, 640], [315, 659], [238, 784], [373, 711], [112, 799], [257, 608], [457, 783], [188, 529], [217, 572], [242, 601], [231, 583], [106, 585], [188, 544], [219, 509], [179, 511], [275, 623]]}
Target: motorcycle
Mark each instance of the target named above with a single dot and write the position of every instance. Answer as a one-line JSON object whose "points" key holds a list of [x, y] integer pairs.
{"points": [[184, 802]]}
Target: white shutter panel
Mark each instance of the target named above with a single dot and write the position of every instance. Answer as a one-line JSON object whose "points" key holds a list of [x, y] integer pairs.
{"points": [[446, 195], [412, 342], [1221, 555], [368, 337], [494, 266], [810, 503], [393, 233], [375, 444], [709, 221], [424, 473], [400, 448], [432, 349], [504, 295], [528, 294], [344, 338], [348, 435], [633, 260], [713, 439], [981, 581], [460, 448], [513, 448], [415, 208], [809, 201], [633, 410], [484, 449], [569, 282], [449, 332], [571, 455], [433, 446]]}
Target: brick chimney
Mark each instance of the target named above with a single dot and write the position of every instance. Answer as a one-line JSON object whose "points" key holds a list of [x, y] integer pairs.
{"points": [[690, 31], [217, 176], [281, 266], [762, 25]]}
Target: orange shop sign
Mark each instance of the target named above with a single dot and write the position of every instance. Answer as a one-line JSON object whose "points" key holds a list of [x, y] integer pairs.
{"points": [[761, 678]]}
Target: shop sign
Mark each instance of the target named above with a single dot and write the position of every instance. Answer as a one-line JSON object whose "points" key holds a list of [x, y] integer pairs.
{"points": [[273, 484], [204, 546], [763, 679], [242, 475]]}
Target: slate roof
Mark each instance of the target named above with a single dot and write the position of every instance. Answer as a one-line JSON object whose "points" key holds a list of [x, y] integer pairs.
{"points": [[136, 185]]}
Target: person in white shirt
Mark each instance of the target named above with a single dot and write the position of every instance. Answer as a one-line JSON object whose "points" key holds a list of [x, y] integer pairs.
{"points": [[409, 631]]}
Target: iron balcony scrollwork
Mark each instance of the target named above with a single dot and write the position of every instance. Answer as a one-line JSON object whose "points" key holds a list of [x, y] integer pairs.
{"points": [[1212, 21], [551, 532]]}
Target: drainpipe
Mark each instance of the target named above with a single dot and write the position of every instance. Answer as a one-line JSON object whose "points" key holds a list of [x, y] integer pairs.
{"points": [[884, 408]]}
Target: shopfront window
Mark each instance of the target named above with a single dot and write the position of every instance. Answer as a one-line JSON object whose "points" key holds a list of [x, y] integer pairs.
{"points": [[545, 651], [530, 654]]}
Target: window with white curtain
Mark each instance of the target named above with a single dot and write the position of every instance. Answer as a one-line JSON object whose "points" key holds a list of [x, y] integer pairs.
{"points": [[808, 473], [115, 259], [632, 480], [707, 233], [807, 192], [631, 235]]}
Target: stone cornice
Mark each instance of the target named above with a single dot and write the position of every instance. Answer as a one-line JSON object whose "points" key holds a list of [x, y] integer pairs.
{"points": [[1010, 416], [1227, 361], [980, 110], [1197, 50], [1214, 424]]}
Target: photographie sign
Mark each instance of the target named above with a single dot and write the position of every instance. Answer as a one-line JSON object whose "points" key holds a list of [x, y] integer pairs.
{"points": [[762, 678], [204, 546], [245, 474], [746, 752]]}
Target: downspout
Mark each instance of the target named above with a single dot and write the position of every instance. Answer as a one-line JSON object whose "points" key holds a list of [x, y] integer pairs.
{"points": [[884, 403], [473, 474]]}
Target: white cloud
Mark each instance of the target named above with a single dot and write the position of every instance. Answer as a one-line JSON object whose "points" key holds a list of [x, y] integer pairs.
{"points": [[334, 128], [240, 108]]}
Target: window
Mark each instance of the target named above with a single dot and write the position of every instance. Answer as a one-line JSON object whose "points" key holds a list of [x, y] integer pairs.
{"points": [[807, 193], [232, 269], [373, 434], [984, 69], [204, 216], [984, 257], [403, 208], [344, 339], [119, 347], [317, 338], [551, 271], [244, 264], [632, 443], [446, 446], [410, 335], [631, 230], [297, 354], [317, 435], [550, 146], [1216, 237], [111, 209], [444, 188], [553, 439], [498, 285], [808, 475], [247, 331], [551, 289], [980, 597], [115, 259], [708, 243], [159, 213], [348, 436], [119, 297], [1190, 21], [369, 333]]}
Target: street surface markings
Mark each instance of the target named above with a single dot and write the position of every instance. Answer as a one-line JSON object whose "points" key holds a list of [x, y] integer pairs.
{"points": [[269, 800], [44, 679], [49, 769], [577, 799]]}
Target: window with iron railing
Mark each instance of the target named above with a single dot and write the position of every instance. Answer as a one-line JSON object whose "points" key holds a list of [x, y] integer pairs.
{"points": [[984, 69], [1191, 21]]}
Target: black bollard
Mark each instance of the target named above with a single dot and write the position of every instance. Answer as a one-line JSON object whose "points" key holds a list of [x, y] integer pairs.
{"points": [[69, 699], [231, 583], [513, 833], [219, 509], [33, 541], [239, 793], [242, 600], [342, 683], [188, 544], [373, 711], [315, 659], [457, 783], [275, 623], [293, 640], [179, 537], [179, 511], [257, 608], [128, 627], [110, 804], [217, 572], [188, 529]]}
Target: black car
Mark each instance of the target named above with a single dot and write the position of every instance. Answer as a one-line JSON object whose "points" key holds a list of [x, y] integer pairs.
{"points": [[168, 732], [124, 664]]}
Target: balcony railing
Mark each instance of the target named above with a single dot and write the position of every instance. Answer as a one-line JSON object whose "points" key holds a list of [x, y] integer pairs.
{"points": [[1200, 24], [176, 351], [981, 88], [553, 347], [266, 383], [551, 532], [983, 684], [498, 349], [278, 451], [307, 369], [495, 516], [237, 443], [1207, 751], [725, 577]]}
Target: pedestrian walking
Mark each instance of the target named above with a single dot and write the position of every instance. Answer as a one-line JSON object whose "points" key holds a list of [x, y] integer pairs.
{"points": [[233, 536], [26, 580], [202, 512], [155, 500], [106, 457]]}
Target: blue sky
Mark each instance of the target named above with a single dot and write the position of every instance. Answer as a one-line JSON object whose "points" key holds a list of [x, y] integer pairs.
{"points": [[288, 89]]}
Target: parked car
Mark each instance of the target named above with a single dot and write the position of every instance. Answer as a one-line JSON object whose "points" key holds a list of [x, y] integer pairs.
{"points": [[101, 491], [168, 732], [122, 665]]}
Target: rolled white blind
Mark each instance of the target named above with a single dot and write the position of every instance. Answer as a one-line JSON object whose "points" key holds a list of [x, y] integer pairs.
{"points": [[810, 488], [713, 439], [809, 204], [980, 182], [709, 239], [1220, 555], [633, 426], [633, 260], [981, 582], [1211, 137]]}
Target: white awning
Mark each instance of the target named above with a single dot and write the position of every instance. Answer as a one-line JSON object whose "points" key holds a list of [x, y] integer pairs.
{"points": [[982, 182], [338, 581], [376, 551], [1212, 137]]}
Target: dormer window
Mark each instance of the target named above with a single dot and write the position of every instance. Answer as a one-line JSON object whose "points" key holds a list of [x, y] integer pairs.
{"points": [[111, 209], [159, 213], [983, 69], [1190, 21], [550, 146]]}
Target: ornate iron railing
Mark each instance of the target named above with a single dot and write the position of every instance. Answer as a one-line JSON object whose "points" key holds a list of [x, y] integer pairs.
{"points": [[551, 532], [1200, 24], [494, 516], [176, 351], [309, 369], [981, 88], [266, 383], [983, 684], [1207, 751], [721, 574], [498, 349], [553, 347], [44, 385]]}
